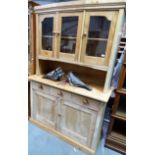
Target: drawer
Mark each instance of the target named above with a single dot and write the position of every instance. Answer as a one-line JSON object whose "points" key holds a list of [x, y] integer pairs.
{"points": [[44, 88], [82, 101], [73, 98]]}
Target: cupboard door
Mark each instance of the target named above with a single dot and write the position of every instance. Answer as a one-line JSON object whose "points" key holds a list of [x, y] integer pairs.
{"points": [[47, 35], [44, 108], [77, 122], [98, 37], [69, 35]]}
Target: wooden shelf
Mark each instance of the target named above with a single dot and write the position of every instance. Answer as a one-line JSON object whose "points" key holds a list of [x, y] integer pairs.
{"points": [[117, 142], [115, 135], [96, 93], [119, 115], [121, 91], [103, 68], [65, 37], [98, 39], [113, 147], [47, 36], [122, 46], [122, 42], [120, 52]]}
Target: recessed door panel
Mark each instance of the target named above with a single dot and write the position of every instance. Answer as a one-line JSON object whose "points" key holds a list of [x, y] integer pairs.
{"points": [[77, 122], [44, 108]]}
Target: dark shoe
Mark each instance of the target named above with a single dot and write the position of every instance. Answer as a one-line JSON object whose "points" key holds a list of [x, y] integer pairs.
{"points": [[55, 75], [73, 80]]}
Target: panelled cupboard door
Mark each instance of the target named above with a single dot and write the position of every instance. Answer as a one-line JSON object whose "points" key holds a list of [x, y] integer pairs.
{"points": [[77, 122], [44, 108], [99, 28], [47, 35], [70, 25]]}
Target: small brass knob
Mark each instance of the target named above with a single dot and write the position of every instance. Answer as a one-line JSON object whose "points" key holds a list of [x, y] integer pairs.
{"points": [[41, 86], [59, 115], [84, 34], [60, 93], [85, 101]]}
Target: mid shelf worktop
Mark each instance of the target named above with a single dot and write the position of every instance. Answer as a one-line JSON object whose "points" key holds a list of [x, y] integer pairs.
{"points": [[95, 93], [101, 68]]}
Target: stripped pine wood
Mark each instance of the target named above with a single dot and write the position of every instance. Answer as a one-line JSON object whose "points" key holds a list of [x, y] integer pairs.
{"points": [[94, 94], [72, 113]]}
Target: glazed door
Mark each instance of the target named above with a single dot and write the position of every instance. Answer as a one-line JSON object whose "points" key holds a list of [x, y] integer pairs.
{"points": [[77, 122], [98, 37], [44, 108], [47, 35], [69, 36]]}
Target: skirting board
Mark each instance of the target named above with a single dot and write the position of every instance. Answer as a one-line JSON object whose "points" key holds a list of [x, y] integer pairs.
{"points": [[63, 137]]}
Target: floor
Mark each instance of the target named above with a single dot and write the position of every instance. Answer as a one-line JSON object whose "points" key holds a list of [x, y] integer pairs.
{"points": [[43, 143]]}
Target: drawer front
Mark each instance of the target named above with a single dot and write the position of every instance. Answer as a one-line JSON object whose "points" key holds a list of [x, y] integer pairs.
{"points": [[76, 99], [81, 101], [44, 88]]}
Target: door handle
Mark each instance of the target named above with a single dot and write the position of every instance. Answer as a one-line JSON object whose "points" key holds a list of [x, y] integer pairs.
{"points": [[41, 86], [60, 93], [85, 101], [59, 115], [84, 34]]}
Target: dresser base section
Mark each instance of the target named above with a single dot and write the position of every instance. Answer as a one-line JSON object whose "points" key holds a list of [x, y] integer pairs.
{"points": [[64, 137]]}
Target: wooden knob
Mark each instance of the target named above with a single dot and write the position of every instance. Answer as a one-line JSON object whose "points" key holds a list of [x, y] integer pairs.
{"points": [[60, 93], [58, 33], [41, 86], [59, 115], [85, 101], [84, 34]]}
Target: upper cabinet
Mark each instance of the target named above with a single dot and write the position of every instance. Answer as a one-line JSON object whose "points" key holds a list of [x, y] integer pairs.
{"points": [[47, 35], [81, 37], [97, 37], [69, 40]]}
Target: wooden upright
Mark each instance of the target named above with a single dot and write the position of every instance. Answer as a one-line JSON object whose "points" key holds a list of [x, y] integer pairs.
{"points": [[82, 37], [31, 45]]}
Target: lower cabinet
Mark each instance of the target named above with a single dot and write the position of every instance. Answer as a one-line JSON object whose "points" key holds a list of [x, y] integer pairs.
{"points": [[72, 115], [44, 108], [77, 121]]}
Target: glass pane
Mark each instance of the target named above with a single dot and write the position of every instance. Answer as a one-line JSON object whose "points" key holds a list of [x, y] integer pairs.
{"points": [[97, 36], [69, 26], [99, 27], [47, 43], [96, 48], [68, 45], [47, 29], [68, 34]]}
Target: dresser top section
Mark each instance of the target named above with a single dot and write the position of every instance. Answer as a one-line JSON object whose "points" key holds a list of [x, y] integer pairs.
{"points": [[81, 5]]}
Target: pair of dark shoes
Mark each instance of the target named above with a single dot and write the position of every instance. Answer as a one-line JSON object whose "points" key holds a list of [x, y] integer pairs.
{"points": [[55, 75], [58, 73]]}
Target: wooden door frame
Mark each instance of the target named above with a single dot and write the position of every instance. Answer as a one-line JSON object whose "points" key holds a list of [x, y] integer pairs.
{"points": [[70, 57], [110, 15], [93, 114], [46, 53]]}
